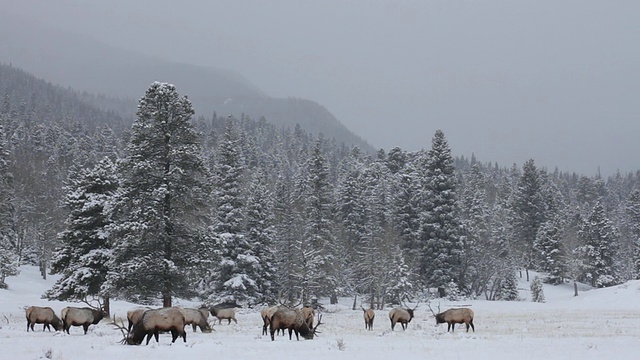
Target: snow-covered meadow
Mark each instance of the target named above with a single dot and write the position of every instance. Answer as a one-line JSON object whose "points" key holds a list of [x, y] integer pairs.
{"points": [[596, 324]]}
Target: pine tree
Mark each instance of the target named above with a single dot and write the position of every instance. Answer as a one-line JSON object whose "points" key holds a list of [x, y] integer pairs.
{"points": [[529, 213], [84, 255], [600, 238], [508, 287], [8, 238], [261, 237], [238, 267], [160, 210], [632, 210], [548, 245], [537, 290], [440, 229], [318, 207]]}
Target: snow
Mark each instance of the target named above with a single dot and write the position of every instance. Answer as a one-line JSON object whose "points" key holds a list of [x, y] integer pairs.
{"points": [[596, 324]]}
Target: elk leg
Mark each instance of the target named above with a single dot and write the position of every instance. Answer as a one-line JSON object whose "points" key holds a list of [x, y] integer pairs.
{"points": [[85, 327], [471, 323], [174, 335]]}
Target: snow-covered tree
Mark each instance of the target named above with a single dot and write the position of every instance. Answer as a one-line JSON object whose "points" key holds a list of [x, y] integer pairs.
{"points": [[537, 290], [600, 249], [235, 274], [84, 255], [632, 210], [318, 229], [262, 238], [8, 257], [160, 210], [440, 228], [549, 250], [528, 213]]}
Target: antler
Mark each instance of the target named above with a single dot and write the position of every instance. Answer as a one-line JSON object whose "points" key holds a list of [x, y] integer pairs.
{"points": [[122, 328], [96, 299], [315, 331], [430, 309]]}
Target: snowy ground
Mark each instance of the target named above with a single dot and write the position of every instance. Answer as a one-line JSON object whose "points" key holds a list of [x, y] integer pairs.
{"points": [[596, 324]]}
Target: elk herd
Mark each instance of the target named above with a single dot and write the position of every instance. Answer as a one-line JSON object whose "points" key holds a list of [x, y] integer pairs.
{"points": [[147, 322]]}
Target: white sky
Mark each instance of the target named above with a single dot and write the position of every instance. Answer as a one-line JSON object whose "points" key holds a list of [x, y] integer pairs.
{"points": [[556, 81]]}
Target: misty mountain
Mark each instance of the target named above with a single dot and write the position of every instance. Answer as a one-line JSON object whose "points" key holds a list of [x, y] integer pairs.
{"points": [[120, 77]]}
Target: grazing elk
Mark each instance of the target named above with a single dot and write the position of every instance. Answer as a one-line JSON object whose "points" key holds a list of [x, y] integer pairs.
{"points": [[369, 314], [294, 321], [156, 320], [42, 315], [224, 314], [402, 316], [134, 315], [456, 316], [73, 316], [196, 317]]}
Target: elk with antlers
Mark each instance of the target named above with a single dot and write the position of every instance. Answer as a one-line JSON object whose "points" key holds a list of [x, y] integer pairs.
{"points": [[294, 321], [402, 316], [73, 316]]}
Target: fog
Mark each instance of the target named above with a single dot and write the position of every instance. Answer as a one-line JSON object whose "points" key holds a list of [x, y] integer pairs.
{"points": [[555, 81]]}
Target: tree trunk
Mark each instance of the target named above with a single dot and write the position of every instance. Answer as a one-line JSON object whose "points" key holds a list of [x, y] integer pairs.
{"points": [[355, 297], [441, 292], [166, 300], [527, 271], [575, 288], [106, 306]]}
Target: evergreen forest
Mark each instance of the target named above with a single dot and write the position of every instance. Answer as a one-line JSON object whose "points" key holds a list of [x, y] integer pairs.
{"points": [[230, 208]]}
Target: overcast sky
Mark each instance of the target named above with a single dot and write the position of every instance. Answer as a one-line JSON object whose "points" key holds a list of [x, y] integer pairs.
{"points": [[556, 81]]}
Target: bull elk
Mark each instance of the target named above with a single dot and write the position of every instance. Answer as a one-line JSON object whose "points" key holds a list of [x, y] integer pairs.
{"points": [[42, 315], [73, 316], [134, 315], [456, 316], [402, 316], [156, 320], [369, 314], [293, 320]]}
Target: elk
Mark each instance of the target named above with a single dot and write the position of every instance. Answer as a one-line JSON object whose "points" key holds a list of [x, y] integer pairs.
{"points": [[294, 321], [402, 316], [224, 314], [42, 315], [73, 316], [266, 315], [369, 314], [156, 320], [456, 316], [196, 317], [134, 315]]}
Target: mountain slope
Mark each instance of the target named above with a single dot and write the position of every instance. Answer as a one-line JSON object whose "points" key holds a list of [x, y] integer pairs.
{"points": [[84, 64]]}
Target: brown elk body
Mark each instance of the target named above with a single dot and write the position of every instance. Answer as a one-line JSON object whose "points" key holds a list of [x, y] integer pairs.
{"points": [[266, 315], [224, 314], [369, 314], [196, 318], [42, 315], [402, 316], [456, 316], [156, 320], [73, 316], [134, 315], [292, 320]]}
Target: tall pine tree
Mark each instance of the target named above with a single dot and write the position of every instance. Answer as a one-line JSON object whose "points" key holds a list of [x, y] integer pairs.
{"points": [[84, 255], [161, 207], [440, 228]]}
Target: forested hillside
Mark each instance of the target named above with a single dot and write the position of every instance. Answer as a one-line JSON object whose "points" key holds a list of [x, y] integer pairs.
{"points": [[223, 208]]}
